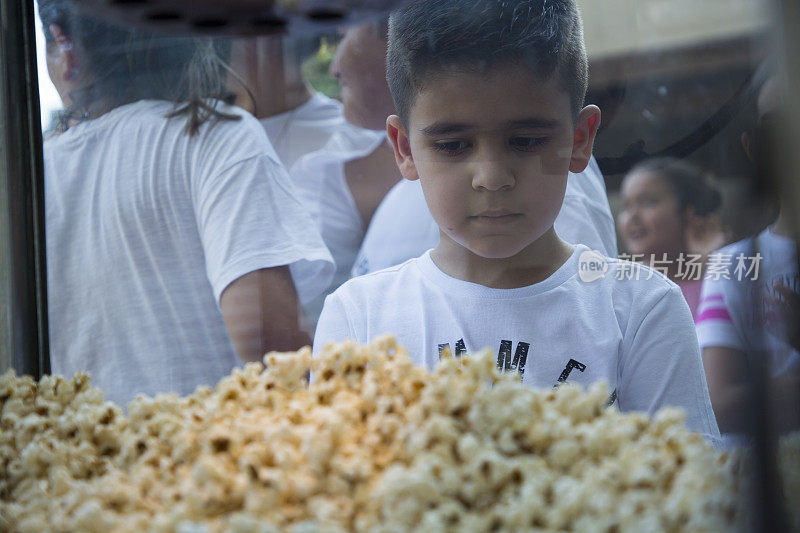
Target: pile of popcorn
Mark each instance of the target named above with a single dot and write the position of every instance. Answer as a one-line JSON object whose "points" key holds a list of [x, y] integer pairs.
{"points": [[373, 444]]}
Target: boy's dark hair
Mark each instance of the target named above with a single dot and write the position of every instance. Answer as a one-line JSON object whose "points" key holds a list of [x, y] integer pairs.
{"points": [[690, 185], [126, 65], [430, 36]]}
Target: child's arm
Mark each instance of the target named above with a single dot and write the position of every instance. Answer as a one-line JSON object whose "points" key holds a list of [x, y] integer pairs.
{"points": [[262, 313], [724, 355], [661, 364]]}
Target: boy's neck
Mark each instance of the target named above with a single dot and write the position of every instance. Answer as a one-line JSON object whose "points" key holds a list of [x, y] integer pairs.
{"points": [[532, 265]]}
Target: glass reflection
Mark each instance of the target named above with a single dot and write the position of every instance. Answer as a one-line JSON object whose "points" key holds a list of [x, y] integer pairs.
{"points": [[186, 236], [344, 192]]}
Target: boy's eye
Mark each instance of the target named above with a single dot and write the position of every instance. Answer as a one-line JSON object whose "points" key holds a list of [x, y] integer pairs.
{"points": [[526, 143], [451, 147]]}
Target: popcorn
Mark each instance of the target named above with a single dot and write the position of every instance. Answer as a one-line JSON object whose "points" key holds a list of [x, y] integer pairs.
{"points": [[373, 444]]}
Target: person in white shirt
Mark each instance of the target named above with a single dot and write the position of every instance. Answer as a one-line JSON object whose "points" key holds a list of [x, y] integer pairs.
{"points": [[171, 225], [402, 227], [491, 135], [750, 306], [341, 171]]}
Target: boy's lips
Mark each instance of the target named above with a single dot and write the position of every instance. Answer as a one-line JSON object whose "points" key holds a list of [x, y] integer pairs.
{"points": [[497, 216], [496, 213]]}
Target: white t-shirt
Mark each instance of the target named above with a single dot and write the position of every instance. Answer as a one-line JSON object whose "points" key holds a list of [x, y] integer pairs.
{"points": [[635, 334], [146, 227], [735, 310], [403, 227], [314, 141]]}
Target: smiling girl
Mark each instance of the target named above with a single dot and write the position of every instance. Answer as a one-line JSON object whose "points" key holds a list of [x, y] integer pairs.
{"points": [[668, 221]]}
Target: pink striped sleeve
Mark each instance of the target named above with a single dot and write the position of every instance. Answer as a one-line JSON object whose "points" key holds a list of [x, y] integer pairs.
{"points": [[713, 313]]}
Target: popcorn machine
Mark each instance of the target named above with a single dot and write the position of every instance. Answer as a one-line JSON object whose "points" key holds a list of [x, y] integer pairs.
{"points": [[673, 80]]}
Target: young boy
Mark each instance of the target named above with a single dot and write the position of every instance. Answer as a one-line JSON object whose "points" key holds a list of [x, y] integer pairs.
{"points": [[402, 226], [491, 120]]}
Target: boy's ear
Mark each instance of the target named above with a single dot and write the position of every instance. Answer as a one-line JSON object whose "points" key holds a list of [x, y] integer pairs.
{"points": [[62, 55], [583, 140], [402, 147]]}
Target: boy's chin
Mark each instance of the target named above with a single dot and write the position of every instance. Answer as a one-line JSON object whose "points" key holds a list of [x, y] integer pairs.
{"points": [[497, 247], [496, 250]]}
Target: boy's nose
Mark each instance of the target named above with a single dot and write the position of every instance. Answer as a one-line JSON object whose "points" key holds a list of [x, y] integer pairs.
{"points": [[492, 175]]}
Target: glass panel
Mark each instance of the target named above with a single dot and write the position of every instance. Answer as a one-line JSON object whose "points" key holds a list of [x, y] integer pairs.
{"points": [[669, 86], [210, 195]]}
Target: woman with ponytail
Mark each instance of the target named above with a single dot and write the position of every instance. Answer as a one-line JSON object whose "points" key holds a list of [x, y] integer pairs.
{"points": [[668, 221], [173, 232]]}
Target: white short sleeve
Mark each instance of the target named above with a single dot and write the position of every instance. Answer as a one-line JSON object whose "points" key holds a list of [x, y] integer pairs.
{"points": [[663, 367], [249, 219]]}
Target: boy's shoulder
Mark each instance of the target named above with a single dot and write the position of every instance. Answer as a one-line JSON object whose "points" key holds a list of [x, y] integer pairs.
{"points": [[636, 291], [629, 287], [622, 273], [381, 280]]}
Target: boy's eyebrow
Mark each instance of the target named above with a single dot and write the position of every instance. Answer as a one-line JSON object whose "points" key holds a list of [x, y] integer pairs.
{"points": [[444, 128]]}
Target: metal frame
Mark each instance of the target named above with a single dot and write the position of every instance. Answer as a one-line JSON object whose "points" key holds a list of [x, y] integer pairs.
{"points": [[22, 181], [770, 507]]}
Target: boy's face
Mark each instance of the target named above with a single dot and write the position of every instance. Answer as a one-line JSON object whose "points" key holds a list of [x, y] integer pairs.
{"points": [[493, 150]]}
